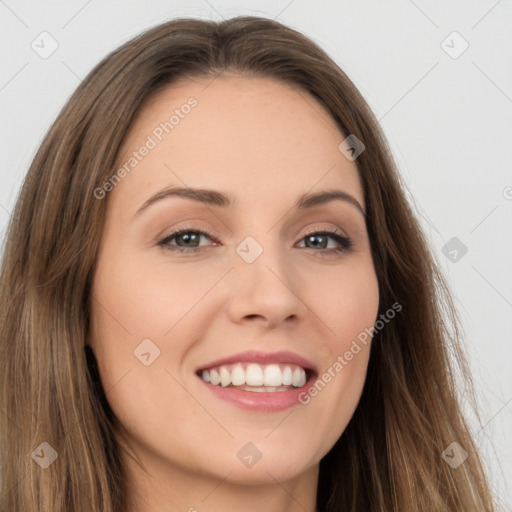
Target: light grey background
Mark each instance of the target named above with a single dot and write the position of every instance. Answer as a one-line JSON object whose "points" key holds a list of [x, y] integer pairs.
{"points": [[448, 120]]}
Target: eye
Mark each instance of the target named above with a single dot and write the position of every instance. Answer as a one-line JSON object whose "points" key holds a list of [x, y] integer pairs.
{"points": [[190, 239], [187, 240], [321, 239]]}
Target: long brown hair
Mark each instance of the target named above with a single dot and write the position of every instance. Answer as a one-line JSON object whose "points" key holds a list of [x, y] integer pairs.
{"points": [[390, 455]]}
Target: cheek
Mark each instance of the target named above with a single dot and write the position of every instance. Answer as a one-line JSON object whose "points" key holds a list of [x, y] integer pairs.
{"points": [[131, 304], [350, 304], [148, 300], [349, 310], [134, 302]]}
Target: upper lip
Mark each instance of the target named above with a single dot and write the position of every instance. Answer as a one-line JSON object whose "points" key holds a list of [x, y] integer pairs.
{"points": [[252, 356]]}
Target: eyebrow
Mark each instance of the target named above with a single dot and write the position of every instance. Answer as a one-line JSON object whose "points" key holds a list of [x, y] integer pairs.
{"points": [[217, 198]]}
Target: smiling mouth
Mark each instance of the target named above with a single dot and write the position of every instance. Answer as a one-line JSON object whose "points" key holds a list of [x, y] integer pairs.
{"points": [[259, 378]]}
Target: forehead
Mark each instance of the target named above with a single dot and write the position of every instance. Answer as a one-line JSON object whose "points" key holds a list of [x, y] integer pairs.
{"points": [[256, 137]]}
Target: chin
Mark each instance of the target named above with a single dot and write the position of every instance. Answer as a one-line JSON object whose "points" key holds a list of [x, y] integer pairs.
{"points": [[281, 465]]}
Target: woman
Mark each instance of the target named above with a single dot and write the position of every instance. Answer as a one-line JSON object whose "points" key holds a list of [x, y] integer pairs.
{"points": [[216, 295]]}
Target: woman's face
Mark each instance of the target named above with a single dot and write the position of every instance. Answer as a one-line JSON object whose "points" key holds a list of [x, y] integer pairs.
{"points": [[268, 286]]}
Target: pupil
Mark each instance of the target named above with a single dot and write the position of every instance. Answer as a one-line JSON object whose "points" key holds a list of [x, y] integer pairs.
{"points": [[315, 238], [187, 238]]}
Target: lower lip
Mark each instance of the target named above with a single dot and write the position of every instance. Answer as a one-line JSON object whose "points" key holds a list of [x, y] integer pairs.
{"points": [[262, 402]]}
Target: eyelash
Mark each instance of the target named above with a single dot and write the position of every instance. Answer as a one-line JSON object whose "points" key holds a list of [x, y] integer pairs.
{"points": [[344, 241]]}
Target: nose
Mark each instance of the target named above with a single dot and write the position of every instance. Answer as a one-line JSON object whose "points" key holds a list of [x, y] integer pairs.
{"points": [[264, 291]]}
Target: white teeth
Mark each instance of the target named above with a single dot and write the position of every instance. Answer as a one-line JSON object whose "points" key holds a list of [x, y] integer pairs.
{"points": [[238, 376], [256, 377], [298, 378], [214, 377], [258, 390], [272, 375], [225, 377], [266, 389], [287, 376]]}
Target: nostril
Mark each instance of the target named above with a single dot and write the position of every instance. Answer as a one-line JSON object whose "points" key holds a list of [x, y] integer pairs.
{"points": [[252, 317]]}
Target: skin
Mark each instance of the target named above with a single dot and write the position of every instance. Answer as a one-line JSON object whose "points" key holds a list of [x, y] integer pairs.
{"points": [[265, 143]]}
